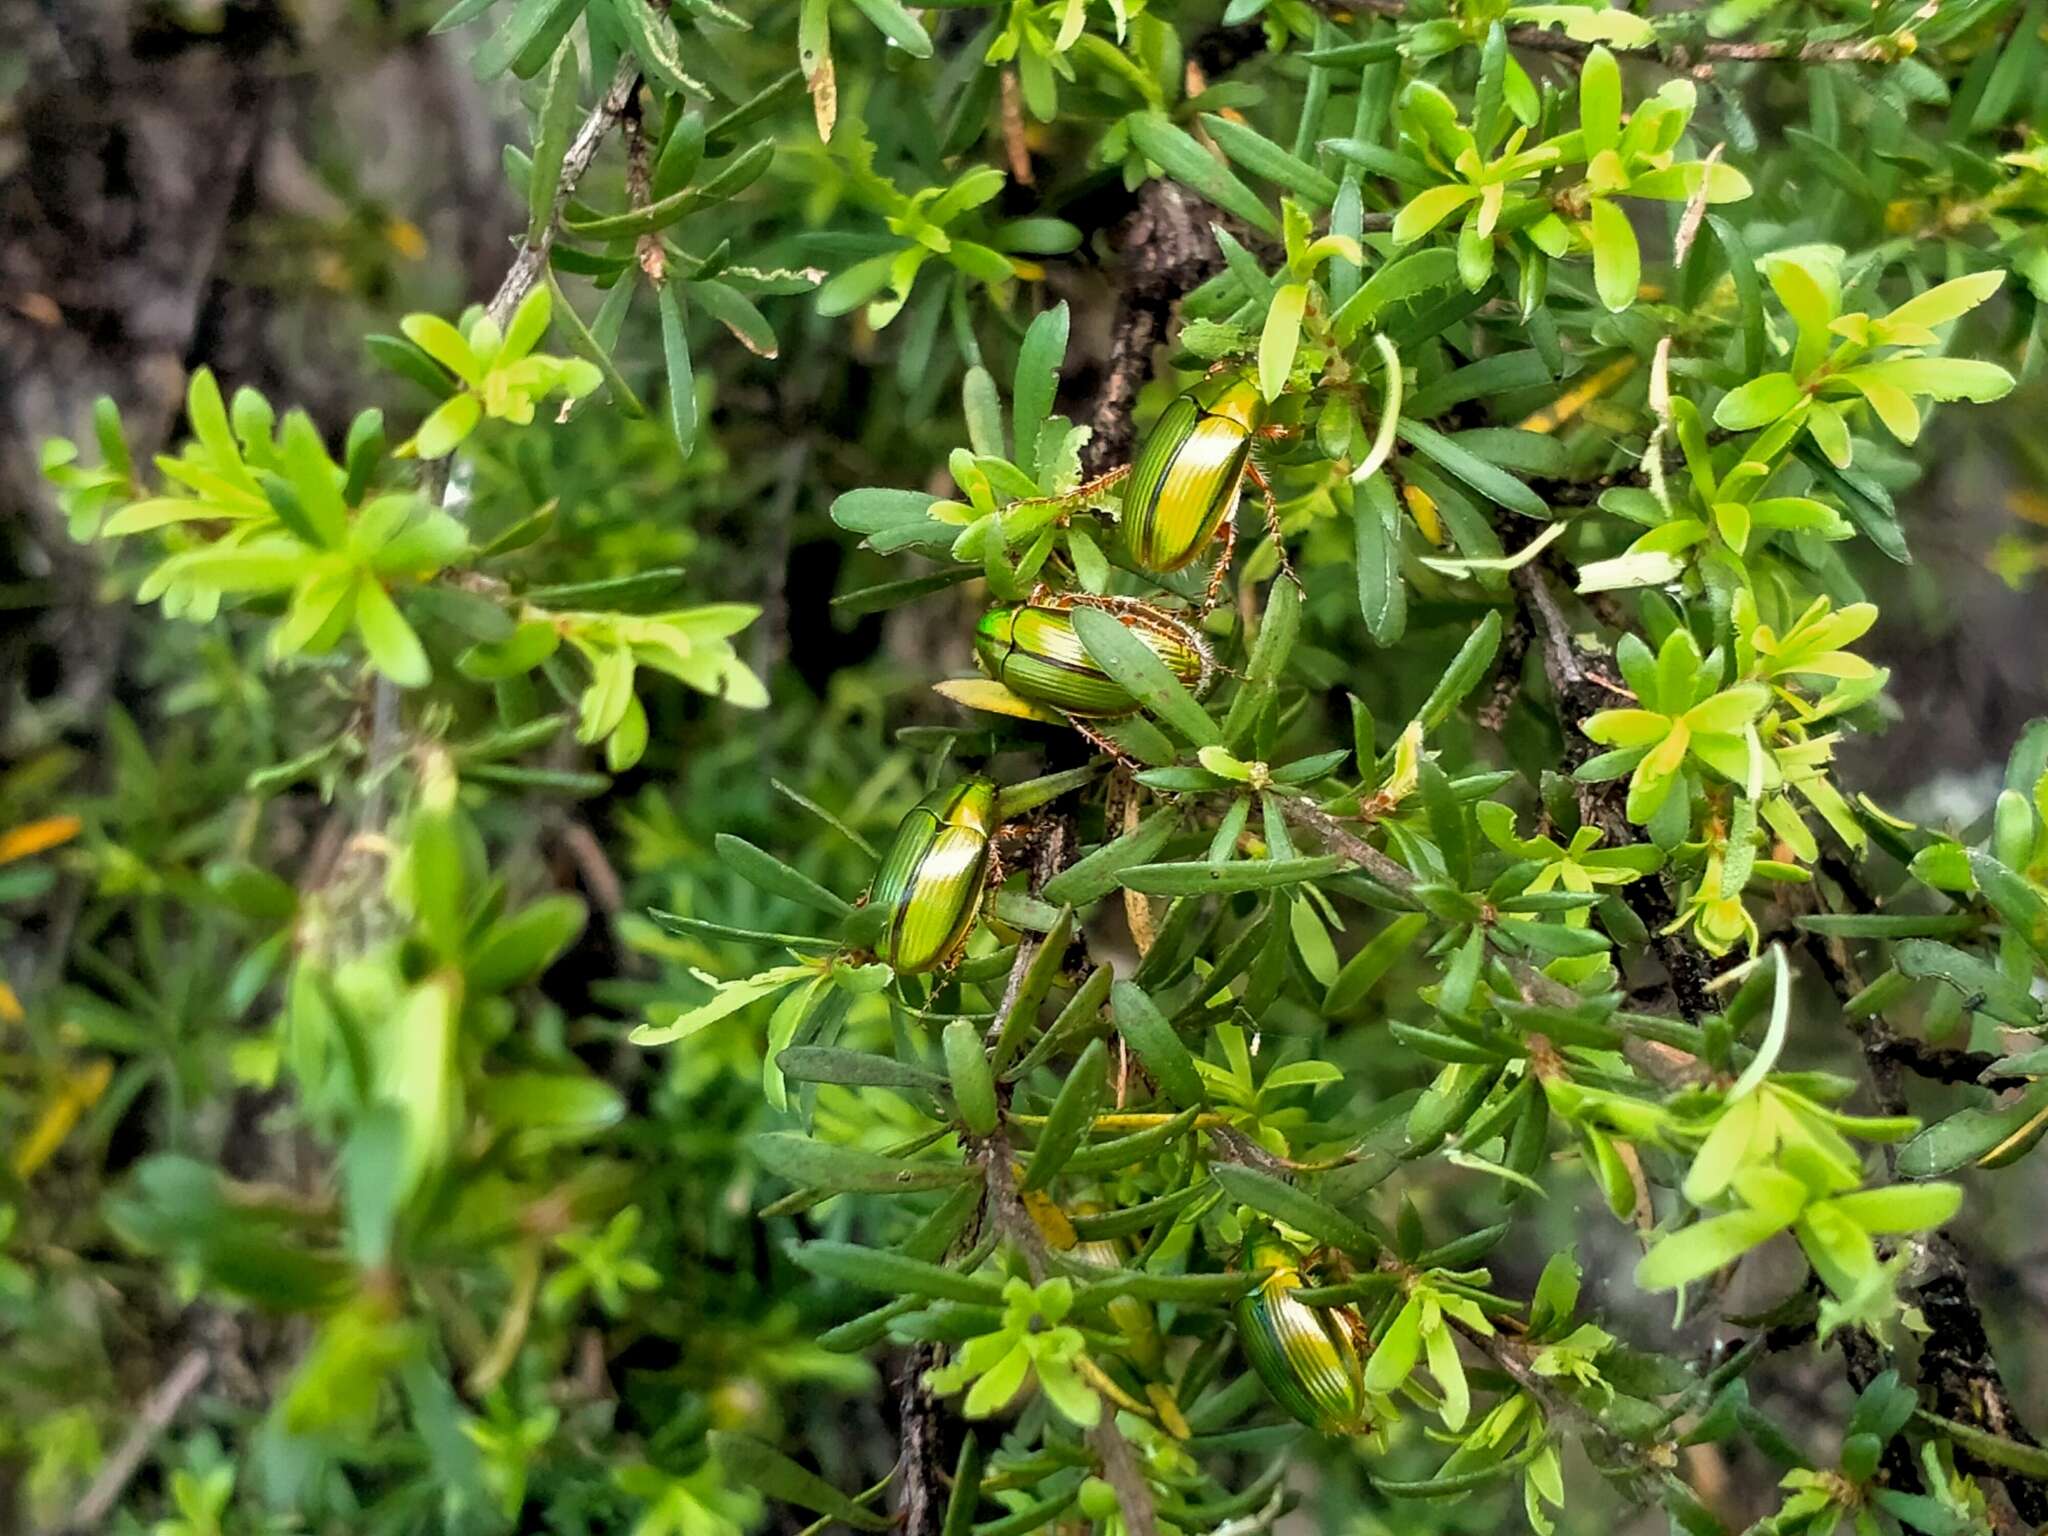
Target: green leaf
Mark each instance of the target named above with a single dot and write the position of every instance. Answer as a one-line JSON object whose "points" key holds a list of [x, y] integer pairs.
{"points": [[1472, 663], [1489, 481], [1767, 1053], [675, 351], [1263, 158], [775, 877], [585, 342], [447, 425], [1364, 970], [966, 1495], [1985, 989], [517, 948], [1037, 382], [983, 406], [1694, 1252], [844, 1169], [394, 649], [1306, 1213], [1945, 301], [440, 341], [1094, 876], [1984, 1137], [1175, 151], [557, 121], [1900, 1208], [1070, 1116], [2028, 1460], [656, 45], [1617, 262], [2025, 914], [681, 153], [1376, 530], [1758, 403], [1134, 1150], [854, 1069], [1178, 1290], [1280, 338], [1153, 1039], [1278, 627], [1941, 378], [974, 1088], [1137, 668], [1599, 101], [1401, 279], [898, 25], [752, 1464], [738, 314]]}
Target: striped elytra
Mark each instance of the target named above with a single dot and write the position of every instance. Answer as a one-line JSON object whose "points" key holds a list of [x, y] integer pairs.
{"points": [[1304, 1355], [1186, 477], [1031, 649], [932, 874]]}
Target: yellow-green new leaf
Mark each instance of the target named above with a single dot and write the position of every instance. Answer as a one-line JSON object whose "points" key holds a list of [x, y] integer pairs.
{"points": [[1281, 338]]}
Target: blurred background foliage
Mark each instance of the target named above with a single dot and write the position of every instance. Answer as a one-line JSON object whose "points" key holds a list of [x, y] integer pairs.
{"points": [[254, 188]]}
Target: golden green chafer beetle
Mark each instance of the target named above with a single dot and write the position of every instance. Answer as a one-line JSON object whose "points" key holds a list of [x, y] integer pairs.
{"points": [[1185, 480], [1310, 1358], [932, 876], [1032, 650]]}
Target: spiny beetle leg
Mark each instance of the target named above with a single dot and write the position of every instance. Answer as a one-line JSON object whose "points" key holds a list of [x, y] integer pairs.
{"points": [[1222, 569], [1258, 478], [1081, 494], [1102, 743]]}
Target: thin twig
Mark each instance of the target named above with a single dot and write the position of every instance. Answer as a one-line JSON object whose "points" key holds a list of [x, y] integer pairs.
{"points": [[452, 491], [1340, 839], [1957, 1367], [1119, 1463], [920, 1501], [1580, 689], [158, 1410], [533, 251]]}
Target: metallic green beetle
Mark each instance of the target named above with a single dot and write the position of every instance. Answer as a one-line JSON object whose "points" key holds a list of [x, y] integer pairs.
{"points": [[1309, 1358], [933, 875], [1185, 480], [1031, 649]]}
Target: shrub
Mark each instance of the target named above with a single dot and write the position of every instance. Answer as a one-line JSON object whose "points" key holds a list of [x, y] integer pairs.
{"points": [[1286, 935]]}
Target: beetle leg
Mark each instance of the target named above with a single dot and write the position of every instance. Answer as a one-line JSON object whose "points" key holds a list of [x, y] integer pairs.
{"points": [[1222, 565], [1101, 482], [1102, 743], [1080, 494], [1273, 521]]}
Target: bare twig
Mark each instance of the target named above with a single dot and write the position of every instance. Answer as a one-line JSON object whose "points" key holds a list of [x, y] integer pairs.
{"points": [[1119, 1463], [1957, 1368], [1168, 249], [435, 481], [528, 265], [158, 1410], [1580, 690], [919, 1480], [1340, 839]]}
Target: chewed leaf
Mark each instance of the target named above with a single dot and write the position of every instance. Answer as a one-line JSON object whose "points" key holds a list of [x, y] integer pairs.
{"points": [[1589, 23]]}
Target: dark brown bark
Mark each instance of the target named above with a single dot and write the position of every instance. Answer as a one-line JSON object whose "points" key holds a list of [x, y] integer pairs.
{"points": [[1167, 248]]}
